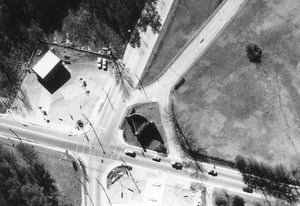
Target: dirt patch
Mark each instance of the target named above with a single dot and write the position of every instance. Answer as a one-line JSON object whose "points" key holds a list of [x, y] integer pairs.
{"points": [[183, 22], [236, 107]]}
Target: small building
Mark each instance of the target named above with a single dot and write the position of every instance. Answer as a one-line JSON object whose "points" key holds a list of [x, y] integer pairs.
{"points": [[51, 72]]}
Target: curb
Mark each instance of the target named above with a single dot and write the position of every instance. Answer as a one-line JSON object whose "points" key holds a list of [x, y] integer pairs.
{"points": [[185, 46]]}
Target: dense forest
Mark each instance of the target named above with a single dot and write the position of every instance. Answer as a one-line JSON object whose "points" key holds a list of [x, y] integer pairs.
{"points": [[92, 23]]}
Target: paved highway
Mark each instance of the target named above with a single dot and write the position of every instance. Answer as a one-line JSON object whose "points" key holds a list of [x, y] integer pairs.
{"points": [[108, 119]]}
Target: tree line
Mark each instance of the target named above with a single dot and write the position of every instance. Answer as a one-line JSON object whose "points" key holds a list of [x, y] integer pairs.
{"points": [[274, 181]]}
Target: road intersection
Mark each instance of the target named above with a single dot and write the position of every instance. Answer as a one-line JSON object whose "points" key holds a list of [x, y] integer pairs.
{"points": [[109, 118]]}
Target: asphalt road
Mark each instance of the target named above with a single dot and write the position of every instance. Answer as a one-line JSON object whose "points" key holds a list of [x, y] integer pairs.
{"points": [[109, 118]]}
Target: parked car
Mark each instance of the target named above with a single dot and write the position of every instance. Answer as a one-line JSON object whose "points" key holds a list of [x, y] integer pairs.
{"points": [[99, 63], [248, 189], [176, 165], [213, 173], [104, 64], [130, 153], [156, 158]]}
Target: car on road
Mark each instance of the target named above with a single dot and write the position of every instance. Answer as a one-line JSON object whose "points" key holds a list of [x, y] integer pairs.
{"points": [[130, 153], [213, 173], [202, 40], [156, 158], [99, 63], [176, 165], [248, 189]]}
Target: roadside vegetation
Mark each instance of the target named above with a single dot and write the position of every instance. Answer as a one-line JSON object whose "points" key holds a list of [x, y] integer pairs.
{"points": [[225, 198], [184, 20], [81, 23], [272, 181], [25, 179]]}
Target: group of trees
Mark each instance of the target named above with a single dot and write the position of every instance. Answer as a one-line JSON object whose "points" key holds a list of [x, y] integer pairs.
{"points": [[118, 21], [275, 181], [221, 198], [24, 180]]}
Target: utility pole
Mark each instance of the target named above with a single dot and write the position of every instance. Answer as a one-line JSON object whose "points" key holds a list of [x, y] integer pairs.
{"points": [[130, 175], [85, 189], [108, 98], [142, 86], [12, 131], [93, 129], [104, 191]]}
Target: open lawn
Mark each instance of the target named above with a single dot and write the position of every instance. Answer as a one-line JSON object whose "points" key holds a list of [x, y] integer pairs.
{"points": [[236, 107], [184, 20]]}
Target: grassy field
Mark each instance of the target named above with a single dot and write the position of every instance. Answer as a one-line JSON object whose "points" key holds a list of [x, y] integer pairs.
{"points": [[181, 25], [65, 176], [236, 107]]}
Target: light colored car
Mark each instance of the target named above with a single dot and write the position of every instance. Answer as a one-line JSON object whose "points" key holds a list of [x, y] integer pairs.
{"points": [[104, 64], [130, 153], [99, 63]]}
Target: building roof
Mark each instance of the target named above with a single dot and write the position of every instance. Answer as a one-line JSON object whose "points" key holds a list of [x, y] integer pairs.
{"points": [[46, 64]]}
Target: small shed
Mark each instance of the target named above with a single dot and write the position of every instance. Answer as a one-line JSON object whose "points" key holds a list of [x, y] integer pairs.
{"points": [[51, 72]]}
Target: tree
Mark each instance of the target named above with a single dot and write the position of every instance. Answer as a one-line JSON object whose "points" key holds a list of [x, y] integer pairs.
{"points": [[149, 17], [254, 53], [221, 201], [238, 201], [240, 163]]}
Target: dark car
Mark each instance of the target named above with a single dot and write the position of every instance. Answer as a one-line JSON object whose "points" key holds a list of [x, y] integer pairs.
{"points": [[130, 153], [213, 173], [248, 189], [176, 165], [156, 158]]}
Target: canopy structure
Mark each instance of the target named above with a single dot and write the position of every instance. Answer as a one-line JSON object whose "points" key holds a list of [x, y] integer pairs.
{"points": [[51, 72], [46, 64]]}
